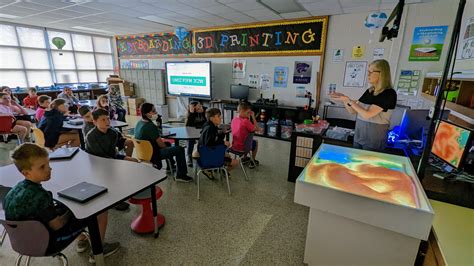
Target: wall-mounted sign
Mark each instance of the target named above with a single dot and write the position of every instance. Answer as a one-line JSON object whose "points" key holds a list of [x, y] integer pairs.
{"points": [[427, 43], [357, 52], [302, 36], [134, 64], [355, 74], [153, 44]]}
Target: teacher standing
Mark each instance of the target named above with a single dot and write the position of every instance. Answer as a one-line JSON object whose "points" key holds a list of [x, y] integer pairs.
{"points": [[374, 108]]}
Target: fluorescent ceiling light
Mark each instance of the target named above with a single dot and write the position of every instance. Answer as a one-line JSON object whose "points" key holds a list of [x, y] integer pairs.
{"points": [[162, 21], [2, 15], [282, 6], [92, 29]]}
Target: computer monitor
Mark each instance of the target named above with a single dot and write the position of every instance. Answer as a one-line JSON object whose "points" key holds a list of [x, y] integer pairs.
{"points": [[416, 122], [451, 143], [239, 92]]}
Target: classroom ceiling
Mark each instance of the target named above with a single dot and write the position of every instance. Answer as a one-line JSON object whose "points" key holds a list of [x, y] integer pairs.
{"points": [[110, 17]]}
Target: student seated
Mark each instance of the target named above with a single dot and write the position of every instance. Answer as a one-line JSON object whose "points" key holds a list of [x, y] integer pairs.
{"points": [[43, 103], [242, 125], [103, 140], [7, 90], [28, 200], [196, 118], [103, 103], [116, 102], [8, 107], [86, 114], [55, 135], [147, 130], [31, 101], [211, 137], [71, 100]]}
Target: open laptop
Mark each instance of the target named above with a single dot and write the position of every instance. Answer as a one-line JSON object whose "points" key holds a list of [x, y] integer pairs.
{"points": [[82, 192], [63, 153], [76, 122]]}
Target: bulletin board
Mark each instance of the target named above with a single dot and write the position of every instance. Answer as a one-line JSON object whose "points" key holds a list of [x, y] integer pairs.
{"points": [[285, 45]]}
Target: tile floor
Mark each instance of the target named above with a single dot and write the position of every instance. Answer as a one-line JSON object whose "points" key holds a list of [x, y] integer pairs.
{"points": [[259, 224]]}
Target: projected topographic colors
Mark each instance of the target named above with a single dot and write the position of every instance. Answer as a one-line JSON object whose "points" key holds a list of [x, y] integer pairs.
{"points": [[368, 174]]}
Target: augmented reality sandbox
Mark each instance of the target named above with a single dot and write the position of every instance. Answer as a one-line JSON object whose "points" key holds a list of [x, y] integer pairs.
{"points": [[365, 208]]}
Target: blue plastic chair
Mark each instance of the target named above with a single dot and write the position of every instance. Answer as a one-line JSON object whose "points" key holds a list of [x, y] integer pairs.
{"points": [[3, 193], [246, 152], [211, 158]]}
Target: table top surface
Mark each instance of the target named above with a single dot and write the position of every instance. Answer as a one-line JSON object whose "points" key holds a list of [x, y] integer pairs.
{"points": [[122, 179], [183, 132], [29, 112], [113, 123], [88, 102], [454, 230]]}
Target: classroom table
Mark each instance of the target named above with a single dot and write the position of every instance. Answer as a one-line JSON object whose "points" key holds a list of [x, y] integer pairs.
{"points": [[183, 133], [90, 103], [30, 113], [115, 175], [113, 123]]}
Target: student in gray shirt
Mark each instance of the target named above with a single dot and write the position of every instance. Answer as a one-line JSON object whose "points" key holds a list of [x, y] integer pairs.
{"points": [[103, 140], [86, 114]]}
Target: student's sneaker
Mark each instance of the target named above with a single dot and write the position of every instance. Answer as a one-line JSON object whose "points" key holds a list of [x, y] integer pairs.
{"points": [[253, 165], [208, 174], [122, 206], [108, 249], [184, 179], [82, 245]]}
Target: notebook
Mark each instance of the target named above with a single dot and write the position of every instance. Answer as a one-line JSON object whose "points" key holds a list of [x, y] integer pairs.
{"points": [[82, 192], [63, 153]]}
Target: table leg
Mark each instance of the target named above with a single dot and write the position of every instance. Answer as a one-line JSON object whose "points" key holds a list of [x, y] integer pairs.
{"points": [[155, 210], [96, 242], [81, 140]]}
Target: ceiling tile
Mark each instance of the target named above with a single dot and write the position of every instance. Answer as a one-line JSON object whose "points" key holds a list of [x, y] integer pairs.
{"points": [[198, 3], [263, 12], [300, 14], [193, 12], [358, 3], [321, 5], [84, 9], [52, 3], [33, 6], [244, 20], [220, 9], [327, 11], [359, 9], [245, 5]]}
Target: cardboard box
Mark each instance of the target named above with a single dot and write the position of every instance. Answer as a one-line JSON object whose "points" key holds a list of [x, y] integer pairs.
{"points": [[126, 88]]}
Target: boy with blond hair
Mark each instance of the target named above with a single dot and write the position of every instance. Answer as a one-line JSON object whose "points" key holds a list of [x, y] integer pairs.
{"points": [[28, 200]]}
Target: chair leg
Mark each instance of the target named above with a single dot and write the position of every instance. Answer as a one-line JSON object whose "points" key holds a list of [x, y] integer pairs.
{"points": [[227, 178], [28, 258], [2, 236], [199, 172], [243, 168], [63, 259], [18, 260], [195, 169]]}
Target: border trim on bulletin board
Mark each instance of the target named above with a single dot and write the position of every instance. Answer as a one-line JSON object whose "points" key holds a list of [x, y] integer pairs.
{"points": [[320, 51]]}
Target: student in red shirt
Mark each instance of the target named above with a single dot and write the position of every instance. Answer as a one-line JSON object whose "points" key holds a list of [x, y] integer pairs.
{"points": [[31, 101], [242, 125]]}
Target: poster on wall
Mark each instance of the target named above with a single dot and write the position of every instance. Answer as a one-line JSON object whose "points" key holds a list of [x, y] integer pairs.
{"points": [[337, 55], [379, 53], [408, 82], [265, 80], [300, 91], [466, 40], [357, 52], [238, 68], [280, 77], [134, 64], [302, 72], [427, 43], [355, 73]]}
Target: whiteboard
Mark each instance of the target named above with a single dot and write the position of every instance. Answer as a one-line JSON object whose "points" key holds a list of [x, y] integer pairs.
{"points": [[222, 76]]}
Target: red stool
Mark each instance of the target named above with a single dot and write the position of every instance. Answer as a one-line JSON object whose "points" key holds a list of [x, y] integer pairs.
{"points": [[143, 224]]}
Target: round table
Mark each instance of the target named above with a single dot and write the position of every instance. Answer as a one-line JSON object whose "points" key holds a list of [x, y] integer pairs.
{"points": [[182, 133]]}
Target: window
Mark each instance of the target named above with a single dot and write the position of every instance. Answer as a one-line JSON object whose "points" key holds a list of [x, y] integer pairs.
{"points": [[30, 57], [31, 37]]}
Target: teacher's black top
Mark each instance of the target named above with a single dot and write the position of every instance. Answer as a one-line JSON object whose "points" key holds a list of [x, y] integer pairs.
{"points": [[386, 100]]}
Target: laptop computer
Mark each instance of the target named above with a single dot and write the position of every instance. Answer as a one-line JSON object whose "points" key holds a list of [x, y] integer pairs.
{"points": [[76, 122], [82, 192], [63, 153]]}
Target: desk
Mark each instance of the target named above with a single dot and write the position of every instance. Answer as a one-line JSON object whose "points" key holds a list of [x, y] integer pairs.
{"points": [[90, 103], [30, 113], [122, 178], [454, 231], [113, 123], [184, 133]]}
